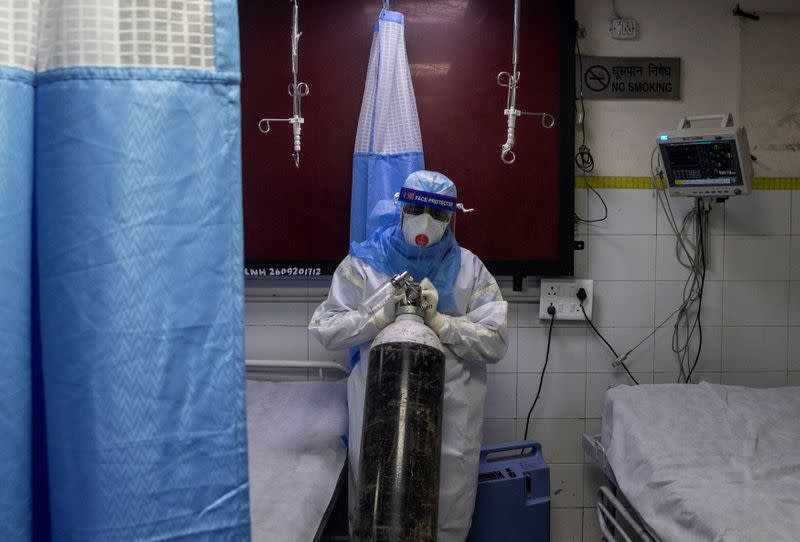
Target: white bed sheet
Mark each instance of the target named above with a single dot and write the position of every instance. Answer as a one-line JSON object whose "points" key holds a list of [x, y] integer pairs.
{"points": [[296, 455], [708, 462]]}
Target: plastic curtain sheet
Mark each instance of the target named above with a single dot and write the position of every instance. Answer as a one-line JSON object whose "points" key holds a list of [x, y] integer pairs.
{"points": [[139, 245], [16, 201], [388, 141]]}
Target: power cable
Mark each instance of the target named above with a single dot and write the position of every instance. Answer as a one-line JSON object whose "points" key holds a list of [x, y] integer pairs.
{"points": [[552, 312], [584, 160]]}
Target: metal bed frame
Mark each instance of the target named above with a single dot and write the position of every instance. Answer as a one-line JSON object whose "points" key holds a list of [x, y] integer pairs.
{"points": [[257, 367], [610, 508]]}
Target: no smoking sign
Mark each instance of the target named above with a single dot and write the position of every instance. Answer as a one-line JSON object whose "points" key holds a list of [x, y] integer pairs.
{"points": [[597, 78], [626, 78]]}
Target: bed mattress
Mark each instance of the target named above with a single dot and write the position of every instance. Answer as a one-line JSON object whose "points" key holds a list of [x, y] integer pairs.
{"points": [[707, 462], [296, 455]]}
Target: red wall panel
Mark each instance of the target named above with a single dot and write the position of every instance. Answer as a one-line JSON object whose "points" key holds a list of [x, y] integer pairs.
{"points": [[455, 50]]}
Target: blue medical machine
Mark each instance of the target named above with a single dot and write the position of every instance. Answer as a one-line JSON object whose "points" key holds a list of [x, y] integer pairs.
{"points": [[513, 500]]}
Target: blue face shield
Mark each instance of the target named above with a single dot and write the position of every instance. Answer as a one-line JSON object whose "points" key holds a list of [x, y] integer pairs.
{"points": [[425, 216]]}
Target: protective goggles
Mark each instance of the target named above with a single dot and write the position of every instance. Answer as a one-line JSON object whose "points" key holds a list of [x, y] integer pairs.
{"points": [[416, 202], [437, 214]]}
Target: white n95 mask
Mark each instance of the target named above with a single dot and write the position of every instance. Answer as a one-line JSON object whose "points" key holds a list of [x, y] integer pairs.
{"points": [[422, 230]]}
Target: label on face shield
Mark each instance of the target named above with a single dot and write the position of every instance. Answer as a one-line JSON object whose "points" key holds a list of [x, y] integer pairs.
{"points": [[418, 197]]}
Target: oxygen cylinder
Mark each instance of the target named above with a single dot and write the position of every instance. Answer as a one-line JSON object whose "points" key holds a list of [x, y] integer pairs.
{"points": [[401, 436]]}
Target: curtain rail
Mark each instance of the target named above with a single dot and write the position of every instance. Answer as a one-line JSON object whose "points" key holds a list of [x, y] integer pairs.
{"points": [[267, 364]]}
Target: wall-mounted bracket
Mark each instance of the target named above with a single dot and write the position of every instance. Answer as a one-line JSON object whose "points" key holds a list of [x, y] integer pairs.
{"points": [[739, 12]]}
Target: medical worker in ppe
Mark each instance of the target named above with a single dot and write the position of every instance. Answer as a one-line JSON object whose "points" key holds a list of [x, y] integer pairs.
{"points": [[467, 311]]}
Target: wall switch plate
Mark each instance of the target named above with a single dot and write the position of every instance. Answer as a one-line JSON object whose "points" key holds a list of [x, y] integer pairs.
{"points": [[562, 294], [623, 29]]}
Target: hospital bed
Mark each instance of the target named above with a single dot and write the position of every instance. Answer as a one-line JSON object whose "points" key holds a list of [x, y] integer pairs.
{"points": [[296, 416], [699, 462]]}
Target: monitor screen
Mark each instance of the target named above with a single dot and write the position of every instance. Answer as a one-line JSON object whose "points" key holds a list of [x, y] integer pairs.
{"points": [[702, 163]]}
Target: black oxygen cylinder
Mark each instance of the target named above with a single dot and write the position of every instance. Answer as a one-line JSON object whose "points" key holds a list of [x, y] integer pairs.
{"points": [[401, 435]]}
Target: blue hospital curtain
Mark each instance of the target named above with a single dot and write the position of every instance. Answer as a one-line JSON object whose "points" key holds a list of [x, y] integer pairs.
{"points": [[17, 60], [120, 151], [388, 140]]}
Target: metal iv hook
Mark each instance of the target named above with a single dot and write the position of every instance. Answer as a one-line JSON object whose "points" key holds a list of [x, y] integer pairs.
{"points": [[297, 91], [548, 120], [510, 80]]}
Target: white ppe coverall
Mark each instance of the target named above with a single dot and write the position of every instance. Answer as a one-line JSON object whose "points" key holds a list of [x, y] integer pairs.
{"points": [[472, 338]]}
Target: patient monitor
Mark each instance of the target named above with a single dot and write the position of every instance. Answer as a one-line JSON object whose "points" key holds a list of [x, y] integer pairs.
{"points": [[712, 162]]}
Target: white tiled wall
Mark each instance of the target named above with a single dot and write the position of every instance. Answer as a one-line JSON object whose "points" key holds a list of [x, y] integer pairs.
{"points": [[751, 305], [747, 340]]}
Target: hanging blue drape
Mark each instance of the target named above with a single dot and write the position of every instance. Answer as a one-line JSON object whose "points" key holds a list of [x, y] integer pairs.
{"points": [[121, 272], [16, 204], [388, 140]]}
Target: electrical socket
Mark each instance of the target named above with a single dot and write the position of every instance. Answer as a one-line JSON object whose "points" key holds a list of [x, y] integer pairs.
{"points": [[562, 294], [623, 29]]}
